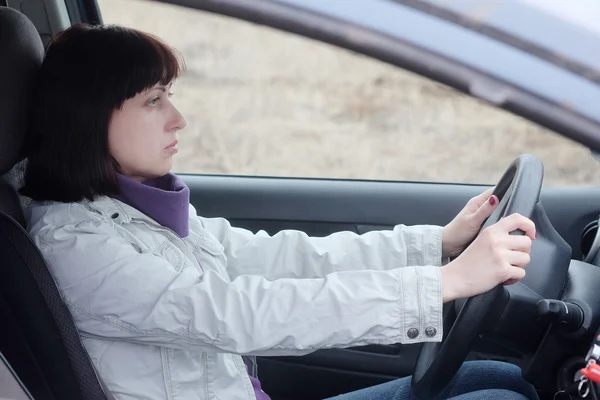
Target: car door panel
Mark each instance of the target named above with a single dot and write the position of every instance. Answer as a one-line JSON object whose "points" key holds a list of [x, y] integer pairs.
{"points": [[321, 207]]}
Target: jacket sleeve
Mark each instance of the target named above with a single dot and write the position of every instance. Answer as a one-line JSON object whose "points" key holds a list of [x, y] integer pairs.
{"points": [[293, 254], [115, 292]]}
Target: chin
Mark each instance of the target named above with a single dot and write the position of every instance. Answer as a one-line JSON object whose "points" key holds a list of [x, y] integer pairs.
{"points": [[163, 173], [157, 173], [165, 168]]}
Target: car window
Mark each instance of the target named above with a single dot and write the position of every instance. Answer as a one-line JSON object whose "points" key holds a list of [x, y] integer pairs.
{"points": [[263, 102]]}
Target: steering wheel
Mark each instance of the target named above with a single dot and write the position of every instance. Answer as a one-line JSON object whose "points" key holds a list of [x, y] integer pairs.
{"points": [[518, 191]]}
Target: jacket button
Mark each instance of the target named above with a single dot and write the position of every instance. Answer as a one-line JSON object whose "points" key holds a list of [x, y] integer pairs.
{"points": [[412, 333], [430, 331], [115, 216]]}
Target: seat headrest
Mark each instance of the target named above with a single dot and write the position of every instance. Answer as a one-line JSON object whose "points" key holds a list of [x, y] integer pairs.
{"points": [[21, 54]]}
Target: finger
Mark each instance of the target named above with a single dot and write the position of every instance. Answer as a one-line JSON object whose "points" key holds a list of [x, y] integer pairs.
{"points": [[486, 194], [516, 221], [518, 258], [519, 243], [486, 209], [516, 274], [480, 199]]}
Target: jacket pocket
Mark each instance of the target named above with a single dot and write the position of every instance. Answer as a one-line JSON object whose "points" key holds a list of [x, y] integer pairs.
{"points": [[204, 242], [159, 241], [185, 373], [172, 254]]}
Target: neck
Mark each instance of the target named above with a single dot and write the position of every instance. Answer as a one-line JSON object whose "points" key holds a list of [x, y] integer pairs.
{"points": [[164, 199]]}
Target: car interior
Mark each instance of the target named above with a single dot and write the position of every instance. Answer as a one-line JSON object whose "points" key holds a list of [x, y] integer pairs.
{"points": [[544, 324]]}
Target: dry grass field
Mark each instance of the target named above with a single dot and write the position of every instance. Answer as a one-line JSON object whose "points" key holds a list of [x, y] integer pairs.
{"points": [[264, 102]]}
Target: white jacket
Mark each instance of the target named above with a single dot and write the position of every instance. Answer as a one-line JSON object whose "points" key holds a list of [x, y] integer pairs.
{"points": [[169, 318]]}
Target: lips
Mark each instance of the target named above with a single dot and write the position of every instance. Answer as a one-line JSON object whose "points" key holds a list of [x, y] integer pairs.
{"points": [[172, 148]]}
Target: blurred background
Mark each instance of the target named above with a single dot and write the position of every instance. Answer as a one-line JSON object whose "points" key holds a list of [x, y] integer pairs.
{"points": [[264, 102]]}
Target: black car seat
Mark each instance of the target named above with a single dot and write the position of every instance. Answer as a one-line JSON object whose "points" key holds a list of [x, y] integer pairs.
{"points": [[37, 336]]}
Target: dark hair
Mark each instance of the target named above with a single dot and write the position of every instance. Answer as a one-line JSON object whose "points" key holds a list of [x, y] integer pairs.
{"points": [[87, 74]]}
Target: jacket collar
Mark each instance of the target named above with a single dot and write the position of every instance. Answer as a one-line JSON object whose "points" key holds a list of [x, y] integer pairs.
{"points": [[116, 210]]}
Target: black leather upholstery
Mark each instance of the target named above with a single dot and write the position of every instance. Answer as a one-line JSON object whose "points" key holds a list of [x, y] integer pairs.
{"points": [[21, 52], [37, 333]]}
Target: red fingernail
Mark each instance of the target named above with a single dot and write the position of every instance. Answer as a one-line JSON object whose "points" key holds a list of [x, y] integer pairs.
{"points": [[492, 200]]}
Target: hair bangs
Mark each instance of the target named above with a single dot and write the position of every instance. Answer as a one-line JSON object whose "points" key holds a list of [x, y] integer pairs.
{"points": [[144, 61], [150, 62]]}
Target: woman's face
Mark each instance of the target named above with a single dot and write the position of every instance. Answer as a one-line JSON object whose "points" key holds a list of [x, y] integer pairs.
{"points": [[142, 135]]}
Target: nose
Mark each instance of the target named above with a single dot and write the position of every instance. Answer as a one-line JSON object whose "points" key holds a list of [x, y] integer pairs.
{"points": [[177, 121]]}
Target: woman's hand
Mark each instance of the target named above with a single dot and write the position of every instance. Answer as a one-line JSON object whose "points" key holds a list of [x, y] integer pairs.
{"points": [[463, 228], [494, 257]]}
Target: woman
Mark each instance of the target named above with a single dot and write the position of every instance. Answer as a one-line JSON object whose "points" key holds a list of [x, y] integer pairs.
{"points": [[168, 302]]}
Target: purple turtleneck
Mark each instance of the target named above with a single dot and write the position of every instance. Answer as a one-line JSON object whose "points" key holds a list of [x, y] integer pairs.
{"points": [[166, 200]]}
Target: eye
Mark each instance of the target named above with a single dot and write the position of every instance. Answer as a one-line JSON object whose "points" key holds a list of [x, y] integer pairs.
{"points": [[154, 101]]}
